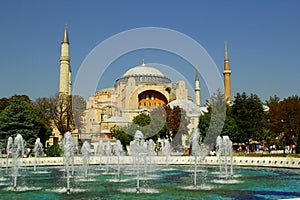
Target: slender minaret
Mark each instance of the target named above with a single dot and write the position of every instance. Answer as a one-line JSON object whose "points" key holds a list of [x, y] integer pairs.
{"points": [[226, 74], [65, 79], [197, 89]]}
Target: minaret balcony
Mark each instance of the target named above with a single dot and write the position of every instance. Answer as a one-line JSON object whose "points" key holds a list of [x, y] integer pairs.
{"points": [[227, 71], [65, 58]]}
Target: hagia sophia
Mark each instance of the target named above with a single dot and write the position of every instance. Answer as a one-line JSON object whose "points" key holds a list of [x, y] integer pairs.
{"points": [[139, 90]]}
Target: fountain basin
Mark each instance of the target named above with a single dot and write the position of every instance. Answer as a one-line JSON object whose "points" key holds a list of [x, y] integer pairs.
{"points": [[174, 183], [283, 162]]}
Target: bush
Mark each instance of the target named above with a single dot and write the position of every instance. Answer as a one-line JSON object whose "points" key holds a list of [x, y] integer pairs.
{"points": [[54, 151]]}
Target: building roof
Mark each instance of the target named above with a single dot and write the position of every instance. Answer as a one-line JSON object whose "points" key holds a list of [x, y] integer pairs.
{"points": [[116, 119], [145, 74], [105, 131], [143, 70], [190, 107]]}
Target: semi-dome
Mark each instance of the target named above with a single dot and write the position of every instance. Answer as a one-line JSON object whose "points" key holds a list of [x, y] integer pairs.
{"points": [[190, 107], [145, 74]]}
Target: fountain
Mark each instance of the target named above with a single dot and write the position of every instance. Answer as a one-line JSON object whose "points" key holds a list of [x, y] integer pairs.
{"points": [[175, 183], [68, 148], [195, 151], [151, 147], [100, 151], [151, 152], [17, 149], [108, 154], [166, 149], [138, 150], [118, 149], [38, 150], [85, 154], [224, 150], [9, 148]]}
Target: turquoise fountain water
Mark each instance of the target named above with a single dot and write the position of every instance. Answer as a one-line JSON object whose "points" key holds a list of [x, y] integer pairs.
{"points": [[250, 183], [161, 181]]}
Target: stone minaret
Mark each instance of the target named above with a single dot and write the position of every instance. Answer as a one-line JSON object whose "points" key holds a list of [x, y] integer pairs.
{"points": [[65, 78], [197, 89], [226, 74]]}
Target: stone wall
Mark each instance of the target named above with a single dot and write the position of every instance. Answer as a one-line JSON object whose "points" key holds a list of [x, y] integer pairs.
{"points": [[162, 160]]}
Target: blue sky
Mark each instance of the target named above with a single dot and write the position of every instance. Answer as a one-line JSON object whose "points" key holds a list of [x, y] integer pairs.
{"points": [[263, 40]]}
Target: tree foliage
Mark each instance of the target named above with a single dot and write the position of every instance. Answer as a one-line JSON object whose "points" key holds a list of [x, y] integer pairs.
{"points": [[20, 117], [221, 124], [162, 122], [244, 119], [248, 114], [43, 104], [54, 151], [4, 102], [63, 111], [142, 119], [121, 135], [176, 122], [283, 119]]}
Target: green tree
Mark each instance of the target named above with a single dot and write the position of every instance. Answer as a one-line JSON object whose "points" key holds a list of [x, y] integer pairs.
{"points": [[122, 135], [248, 114], [155, 129], [41, 125], [20, 117], [4, 102], [222, 123], [203, 125], [54, 151], [142, 119], [230, 128], [152, 125], [272, 100], [162, 122]]}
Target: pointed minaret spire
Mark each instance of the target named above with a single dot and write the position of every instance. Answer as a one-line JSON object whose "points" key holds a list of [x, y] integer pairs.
{"points": [[197, 88], [226, 74], [66, 38], [65, 80], [226, 51]]}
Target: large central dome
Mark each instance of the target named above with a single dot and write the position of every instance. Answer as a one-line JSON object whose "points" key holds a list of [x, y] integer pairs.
{"points": [[143, 70], [145, 74]]}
